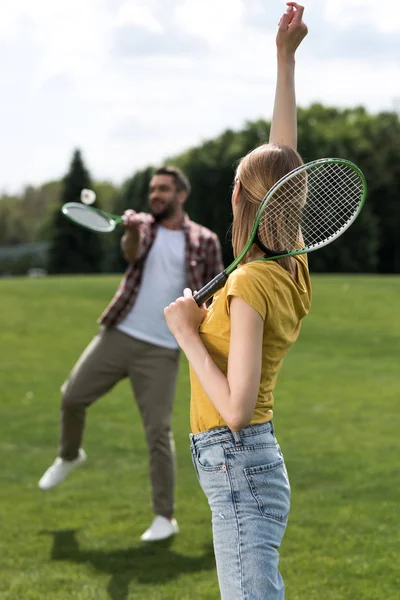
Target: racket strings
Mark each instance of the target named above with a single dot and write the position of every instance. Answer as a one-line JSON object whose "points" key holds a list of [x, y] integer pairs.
{"points": [[88, 217], [333, 199], [279, 227], [311, 207]]}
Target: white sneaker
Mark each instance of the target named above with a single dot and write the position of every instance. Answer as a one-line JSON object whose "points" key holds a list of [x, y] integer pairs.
{"points": [[60, 469], [160, 529]]}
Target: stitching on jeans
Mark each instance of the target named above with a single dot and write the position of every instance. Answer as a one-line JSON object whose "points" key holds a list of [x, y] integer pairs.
{"points": [[249, 472], [249, 448], [229, 472], [209, 469], [253, 433], [226, 443], [194, 460], [224, 436]]}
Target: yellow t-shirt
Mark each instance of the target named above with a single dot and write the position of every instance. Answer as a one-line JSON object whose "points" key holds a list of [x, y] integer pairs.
{"points": [[282, 302]]}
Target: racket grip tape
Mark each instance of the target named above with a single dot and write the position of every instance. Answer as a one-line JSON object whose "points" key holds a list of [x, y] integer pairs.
{"points": [[210, 288]]}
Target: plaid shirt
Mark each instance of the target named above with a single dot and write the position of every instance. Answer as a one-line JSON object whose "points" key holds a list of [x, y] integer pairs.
{"points": [[203, 260]]}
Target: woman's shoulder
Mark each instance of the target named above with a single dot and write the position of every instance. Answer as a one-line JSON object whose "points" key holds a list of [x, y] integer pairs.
{"points": [[267, 275], [256, 275], [264, 269]]}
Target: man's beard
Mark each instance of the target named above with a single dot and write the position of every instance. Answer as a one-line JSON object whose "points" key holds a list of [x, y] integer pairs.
{"points": [[169, 211]]}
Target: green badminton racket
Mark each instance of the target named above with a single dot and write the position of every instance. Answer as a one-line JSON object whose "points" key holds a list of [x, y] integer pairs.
{"points": [[305, 210], [91, 218]]}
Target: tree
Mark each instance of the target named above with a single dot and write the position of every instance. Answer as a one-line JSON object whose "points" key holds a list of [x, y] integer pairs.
{"points": [[73, 248], [372, 141]]}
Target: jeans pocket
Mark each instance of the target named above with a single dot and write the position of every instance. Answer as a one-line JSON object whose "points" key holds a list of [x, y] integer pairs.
{"points": [[269, 485], [211, 457]]}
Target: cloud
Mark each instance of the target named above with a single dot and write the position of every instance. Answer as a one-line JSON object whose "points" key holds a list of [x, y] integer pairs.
{"points": [[131, 13], [382, 17], [212, 20], [357, 30], [133, 81], [139, 32], [58, 84], [360, 43], [132, 41], [128, 128]]}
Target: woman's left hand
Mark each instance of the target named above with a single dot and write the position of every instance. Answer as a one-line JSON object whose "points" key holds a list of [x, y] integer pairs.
{"points": [[184, 316]]}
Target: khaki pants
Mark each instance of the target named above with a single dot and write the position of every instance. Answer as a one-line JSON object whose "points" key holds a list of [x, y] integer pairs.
{"points": [[152, 370]]}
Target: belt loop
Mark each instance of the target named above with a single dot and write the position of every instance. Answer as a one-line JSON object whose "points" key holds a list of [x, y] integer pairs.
{"points": [[236, 437]]}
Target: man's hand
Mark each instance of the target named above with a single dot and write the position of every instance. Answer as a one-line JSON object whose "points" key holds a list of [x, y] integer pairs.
{"points": [[292, 29], [130, 239], [131, 220]]}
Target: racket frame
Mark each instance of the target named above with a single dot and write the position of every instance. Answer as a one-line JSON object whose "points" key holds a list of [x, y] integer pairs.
{"points": [[113, 220]]}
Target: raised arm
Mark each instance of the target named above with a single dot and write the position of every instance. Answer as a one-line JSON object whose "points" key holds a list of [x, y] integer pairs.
{"points": [[292, 30]]}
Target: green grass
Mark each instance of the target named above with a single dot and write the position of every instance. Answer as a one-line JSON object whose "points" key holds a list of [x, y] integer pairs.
{"points": [[336, 419]]}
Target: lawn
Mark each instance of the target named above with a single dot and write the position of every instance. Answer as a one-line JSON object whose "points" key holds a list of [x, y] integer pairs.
{"points": [[336, 419]]}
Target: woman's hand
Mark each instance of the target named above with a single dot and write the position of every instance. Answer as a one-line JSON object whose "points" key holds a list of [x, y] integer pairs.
{"points": [[184, 316], [292, 29]]}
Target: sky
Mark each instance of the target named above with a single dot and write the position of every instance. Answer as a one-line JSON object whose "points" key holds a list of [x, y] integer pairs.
{"points": [[133, 82]]}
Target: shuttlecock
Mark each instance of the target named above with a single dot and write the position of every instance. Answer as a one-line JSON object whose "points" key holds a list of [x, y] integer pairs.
{"points": [[88, 196]]}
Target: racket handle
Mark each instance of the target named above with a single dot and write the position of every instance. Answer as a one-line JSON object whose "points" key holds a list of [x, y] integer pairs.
{"points": [[210, 288]]}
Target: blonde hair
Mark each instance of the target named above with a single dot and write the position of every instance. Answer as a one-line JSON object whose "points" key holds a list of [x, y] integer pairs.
{"points": [[257, 172]]}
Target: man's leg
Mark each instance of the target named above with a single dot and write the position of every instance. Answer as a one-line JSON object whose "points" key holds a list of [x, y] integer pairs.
{"points": [[153, 375], [102, 364]]}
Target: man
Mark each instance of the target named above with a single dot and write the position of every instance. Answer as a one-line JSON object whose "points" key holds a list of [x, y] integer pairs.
{"points": [[166, 252]]}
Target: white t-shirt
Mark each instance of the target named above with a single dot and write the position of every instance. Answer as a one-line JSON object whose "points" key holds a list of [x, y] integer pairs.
{"points": [[163, 281]]}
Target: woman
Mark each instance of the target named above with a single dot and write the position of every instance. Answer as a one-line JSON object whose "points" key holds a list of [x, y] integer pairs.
{"points": [[235, 350]]}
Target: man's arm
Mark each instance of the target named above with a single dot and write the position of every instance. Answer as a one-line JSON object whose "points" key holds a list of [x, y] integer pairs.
{"points": [[131, 243], [291, 32]]}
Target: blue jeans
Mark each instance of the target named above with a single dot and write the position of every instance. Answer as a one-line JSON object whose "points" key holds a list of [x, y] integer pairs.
{"points": [[244, 478]]}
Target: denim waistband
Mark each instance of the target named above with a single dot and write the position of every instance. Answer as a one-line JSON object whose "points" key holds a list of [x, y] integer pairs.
{"points": [[224, 434]]}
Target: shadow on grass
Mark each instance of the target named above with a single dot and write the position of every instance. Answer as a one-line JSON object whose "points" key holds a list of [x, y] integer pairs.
{"points": [[153, 563]]}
